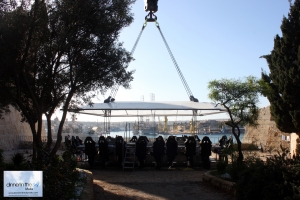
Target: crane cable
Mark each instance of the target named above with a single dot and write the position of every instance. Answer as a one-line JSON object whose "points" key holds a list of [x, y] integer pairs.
{"points": [[184, 82], [187, 88], [116, 87]]}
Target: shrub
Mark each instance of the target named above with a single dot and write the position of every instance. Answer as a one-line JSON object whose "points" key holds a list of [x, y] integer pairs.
{"points": [[234, 167], [59, 175], [221, 166], [18, 159], [277, 178]]}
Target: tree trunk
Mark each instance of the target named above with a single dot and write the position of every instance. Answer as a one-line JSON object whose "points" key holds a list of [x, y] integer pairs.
{"points": [[49, 133], [239, 143], [62, 121], [34, 140]]}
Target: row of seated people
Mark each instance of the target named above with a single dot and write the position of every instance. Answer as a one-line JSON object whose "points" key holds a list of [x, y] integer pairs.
{"points": [[170, 148], [73, 142], [159, 149], [224, 143]]}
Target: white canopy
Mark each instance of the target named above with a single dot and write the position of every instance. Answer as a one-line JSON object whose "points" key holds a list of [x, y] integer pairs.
{"points": [[141, 108]]}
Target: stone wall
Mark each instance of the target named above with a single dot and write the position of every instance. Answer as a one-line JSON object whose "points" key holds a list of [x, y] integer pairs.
{"points": [[267, 135], [12, 130]]}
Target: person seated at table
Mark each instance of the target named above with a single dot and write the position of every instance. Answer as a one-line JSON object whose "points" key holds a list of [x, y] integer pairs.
{"points": [[229, 143], [158, 151], [197, 138], [74, 145], [141, 150], [103, 150], [120, 149], [190, 150], [222, 141], [68, 141], [172, 149], [73, 141], [133, 139], [90, 150], [78, 141], [108, 139], [205, 152]]}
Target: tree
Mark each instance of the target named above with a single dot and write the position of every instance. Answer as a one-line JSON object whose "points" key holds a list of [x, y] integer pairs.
{"points": [[240, 99], [6, 5], [61, 54], [282, 84]]}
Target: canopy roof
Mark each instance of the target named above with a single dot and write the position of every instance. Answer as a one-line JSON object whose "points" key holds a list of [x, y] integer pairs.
{"points": [[141, 108]]}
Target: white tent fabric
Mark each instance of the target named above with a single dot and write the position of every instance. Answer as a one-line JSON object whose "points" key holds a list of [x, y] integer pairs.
{"points": [[141, 108]]}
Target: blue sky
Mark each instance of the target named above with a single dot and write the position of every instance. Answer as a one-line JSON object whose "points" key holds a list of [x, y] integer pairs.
{"points": [[209, 40]]}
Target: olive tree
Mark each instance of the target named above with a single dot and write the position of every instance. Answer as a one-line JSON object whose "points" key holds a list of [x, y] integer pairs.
{"points": [[59, 54], [239, 97]]}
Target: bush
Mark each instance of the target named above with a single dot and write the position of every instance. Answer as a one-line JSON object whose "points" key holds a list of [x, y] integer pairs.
{"points": [[221, 166], [18, 159], [277, 178], [59, 175]]}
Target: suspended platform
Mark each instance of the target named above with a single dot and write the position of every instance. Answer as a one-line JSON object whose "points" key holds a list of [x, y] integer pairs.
{"points": [[141, 108]]}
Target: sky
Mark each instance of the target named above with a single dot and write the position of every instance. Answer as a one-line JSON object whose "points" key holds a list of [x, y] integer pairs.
{"points": [[210, 40]]}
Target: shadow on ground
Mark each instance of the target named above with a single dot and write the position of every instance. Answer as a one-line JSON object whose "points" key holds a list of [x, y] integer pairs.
{"points": [[149, 183]]}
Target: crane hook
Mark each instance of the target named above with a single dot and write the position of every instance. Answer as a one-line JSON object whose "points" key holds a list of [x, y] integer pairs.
{"points": [[151, 6]]}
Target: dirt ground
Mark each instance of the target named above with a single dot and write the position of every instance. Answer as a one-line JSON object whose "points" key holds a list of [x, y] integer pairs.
{"points": [[173, 184]]}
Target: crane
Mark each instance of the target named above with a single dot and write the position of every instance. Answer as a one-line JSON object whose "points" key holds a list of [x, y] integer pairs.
{"points": [[152, 7]]}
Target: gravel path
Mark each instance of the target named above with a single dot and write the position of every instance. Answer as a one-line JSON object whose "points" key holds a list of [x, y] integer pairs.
{"points": [[173, 184]]}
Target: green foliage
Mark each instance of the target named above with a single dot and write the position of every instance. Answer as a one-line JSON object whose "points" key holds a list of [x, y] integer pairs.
{"points": [[282, 85], [277, 178], [59, 176], [18, 158], [239, 98], [61, 54], [221, 166], [17, 163], [234, 168]]}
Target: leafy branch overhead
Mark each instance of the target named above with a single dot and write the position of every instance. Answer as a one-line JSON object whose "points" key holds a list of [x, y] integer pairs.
{"points": [[60, 54]]}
